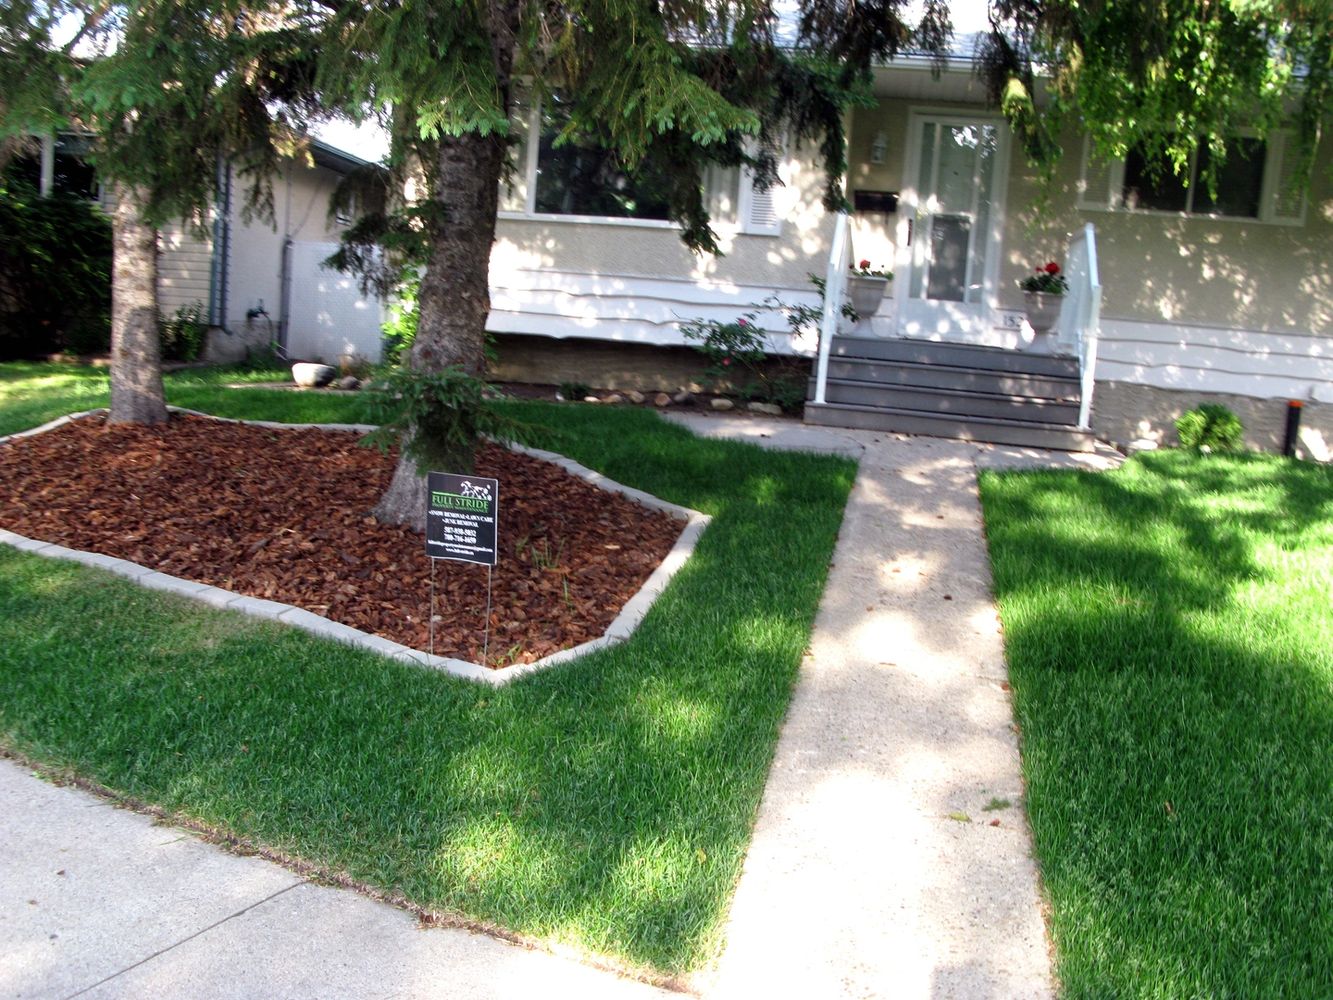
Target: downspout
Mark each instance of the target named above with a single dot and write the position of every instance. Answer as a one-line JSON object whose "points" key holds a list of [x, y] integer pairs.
{"points": [[48, 165], [284, 294]]}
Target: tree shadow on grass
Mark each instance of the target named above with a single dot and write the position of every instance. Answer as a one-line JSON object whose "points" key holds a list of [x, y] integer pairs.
{"points": [[607, 803], [1176, 705]]}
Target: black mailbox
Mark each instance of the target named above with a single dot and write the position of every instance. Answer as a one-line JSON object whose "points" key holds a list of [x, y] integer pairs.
{"points": [[875, 201]]}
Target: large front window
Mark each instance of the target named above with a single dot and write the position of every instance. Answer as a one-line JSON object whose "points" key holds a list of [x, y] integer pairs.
{"points": [[1239, 183], [581, 179], [584, 182]]}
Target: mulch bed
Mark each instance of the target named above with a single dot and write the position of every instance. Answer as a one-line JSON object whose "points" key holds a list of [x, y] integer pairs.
{"points": [[285, 515]]}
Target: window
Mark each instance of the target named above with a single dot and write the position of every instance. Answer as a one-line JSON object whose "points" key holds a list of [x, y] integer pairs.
{"points": [[1251, 184], [580, 179], [1240, 179], [70, 173], [583, 181]]}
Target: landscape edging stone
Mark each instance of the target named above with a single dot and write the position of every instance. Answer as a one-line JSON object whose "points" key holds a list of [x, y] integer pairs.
{"points": [[621, 628]]}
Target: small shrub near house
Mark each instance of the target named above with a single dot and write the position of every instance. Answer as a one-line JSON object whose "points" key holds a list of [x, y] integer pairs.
{"points": [[183, 333], [739, 365], [1210, 427]]}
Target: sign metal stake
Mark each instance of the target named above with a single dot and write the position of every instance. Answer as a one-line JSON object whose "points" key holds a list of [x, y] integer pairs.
{"points": [[462, 523], [486, 635], [432, 605]]}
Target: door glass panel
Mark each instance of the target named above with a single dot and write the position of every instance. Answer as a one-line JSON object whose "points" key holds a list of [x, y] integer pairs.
{"points": [[950, 236], [921, 223], [985, 159]]}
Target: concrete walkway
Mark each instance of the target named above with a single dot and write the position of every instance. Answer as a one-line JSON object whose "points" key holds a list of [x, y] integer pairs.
{"points": [[875, 869]]}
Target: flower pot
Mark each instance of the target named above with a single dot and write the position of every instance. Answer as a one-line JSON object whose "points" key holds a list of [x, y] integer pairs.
{"points": [[1043, 310], [866, 293]]}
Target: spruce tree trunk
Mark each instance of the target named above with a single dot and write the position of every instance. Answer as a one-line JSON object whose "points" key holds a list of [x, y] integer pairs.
{"points": [[136, 347], [454, 298]]}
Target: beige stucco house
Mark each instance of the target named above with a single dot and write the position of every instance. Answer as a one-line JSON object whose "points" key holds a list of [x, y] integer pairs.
{"points": [[1228, 299]]}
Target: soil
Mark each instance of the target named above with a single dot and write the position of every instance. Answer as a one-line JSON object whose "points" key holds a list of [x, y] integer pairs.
{"points": [[284, 515]]}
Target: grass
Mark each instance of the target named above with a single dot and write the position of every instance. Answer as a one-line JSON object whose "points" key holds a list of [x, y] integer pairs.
{"points": [[31, 393], [606, 804], [1169, 630]]}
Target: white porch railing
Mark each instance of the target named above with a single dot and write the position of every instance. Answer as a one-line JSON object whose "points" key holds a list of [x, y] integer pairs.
{"points": [[835, 286], [1081, 314]]}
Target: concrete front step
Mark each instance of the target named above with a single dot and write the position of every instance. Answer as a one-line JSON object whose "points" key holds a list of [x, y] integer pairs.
{"points": [[958, 402], [953, 377], [931, 352], [1024, 433]]}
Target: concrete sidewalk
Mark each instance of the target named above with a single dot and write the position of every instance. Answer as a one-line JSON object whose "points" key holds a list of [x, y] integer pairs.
{"points": [[875, 869], [100, 902]]}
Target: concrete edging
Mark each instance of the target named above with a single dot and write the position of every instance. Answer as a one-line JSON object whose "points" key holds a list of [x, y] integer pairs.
{"points": [[620, 629]]}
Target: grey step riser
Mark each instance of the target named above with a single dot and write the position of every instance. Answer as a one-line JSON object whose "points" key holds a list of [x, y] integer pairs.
{"points": [[930, 376], [950, 427], [933, 401], [957, 355]]}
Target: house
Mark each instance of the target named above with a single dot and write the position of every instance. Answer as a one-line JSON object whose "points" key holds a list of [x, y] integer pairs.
{"points": [[1228, 299], [254, 283]]}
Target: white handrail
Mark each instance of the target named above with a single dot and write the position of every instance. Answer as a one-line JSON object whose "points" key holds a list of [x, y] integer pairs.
{"points": [[835, 285], [1081, 314]]}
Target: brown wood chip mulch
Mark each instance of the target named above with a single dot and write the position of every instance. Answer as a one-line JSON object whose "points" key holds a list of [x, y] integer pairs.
{"points": [[285, 515]]}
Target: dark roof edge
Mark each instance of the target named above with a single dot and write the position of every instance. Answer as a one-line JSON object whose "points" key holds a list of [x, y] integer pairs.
{"points": [[328, 156]]}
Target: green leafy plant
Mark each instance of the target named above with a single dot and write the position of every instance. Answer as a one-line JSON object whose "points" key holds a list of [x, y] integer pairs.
{"points": [[740, 365], [574, 391], [1210, 427], [437, 417], [183, 333], [400, 328], [737, 363]]}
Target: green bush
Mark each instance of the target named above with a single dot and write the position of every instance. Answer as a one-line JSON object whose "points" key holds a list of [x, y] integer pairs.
{"points": [[1210, 427], [400, 328], [437, 417], [183, 334], [739, 364], [574, 392], [55, 272]]}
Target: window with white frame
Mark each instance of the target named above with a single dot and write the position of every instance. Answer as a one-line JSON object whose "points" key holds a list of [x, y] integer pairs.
{"points": [[584, 182], [1253, 181]]}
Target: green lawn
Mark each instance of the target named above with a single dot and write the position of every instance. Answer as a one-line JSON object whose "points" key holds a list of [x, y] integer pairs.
{"points": [[1169, 630], [606, 804], [31, 393]]}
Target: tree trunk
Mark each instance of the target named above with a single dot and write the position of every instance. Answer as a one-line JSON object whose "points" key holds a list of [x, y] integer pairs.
{"points": [[136, 348], [455, 298]]}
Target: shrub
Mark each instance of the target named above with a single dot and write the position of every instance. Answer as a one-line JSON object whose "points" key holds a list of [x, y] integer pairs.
{"points": [[437, 417], [400, 329], [55, 272], [1210, 427], [738, 362], [574, 391], [183, 333]]}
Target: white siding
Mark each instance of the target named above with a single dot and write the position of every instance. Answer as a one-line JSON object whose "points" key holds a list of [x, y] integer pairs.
{"points": [[629, 308], [183, 269], [1213, 359]]}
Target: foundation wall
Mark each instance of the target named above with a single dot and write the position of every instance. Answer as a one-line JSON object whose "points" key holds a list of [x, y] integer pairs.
{"points": [[1125, 412]]}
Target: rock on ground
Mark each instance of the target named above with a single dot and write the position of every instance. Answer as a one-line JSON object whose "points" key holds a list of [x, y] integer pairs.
{"points": [[311, 376]]}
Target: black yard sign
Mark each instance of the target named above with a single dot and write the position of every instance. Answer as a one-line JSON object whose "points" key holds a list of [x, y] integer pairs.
{"points": [[462, 515]]}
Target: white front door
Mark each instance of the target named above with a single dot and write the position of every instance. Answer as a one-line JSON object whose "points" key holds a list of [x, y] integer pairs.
{"points": [[949, 226]]}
